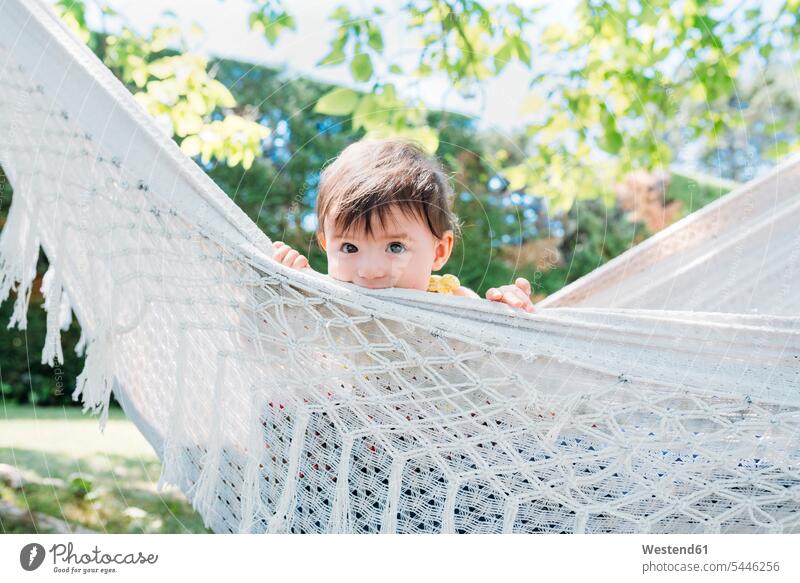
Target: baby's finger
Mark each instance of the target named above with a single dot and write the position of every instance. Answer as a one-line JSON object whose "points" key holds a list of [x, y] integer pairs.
{"points": [[511, 297], [519, 299], [290, 257], [494, 294], [527, 303], [300, 262], [523, 284], [281, 252]]}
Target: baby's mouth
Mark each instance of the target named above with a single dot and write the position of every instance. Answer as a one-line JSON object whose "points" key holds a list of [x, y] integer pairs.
{"points": [[373, 286]]}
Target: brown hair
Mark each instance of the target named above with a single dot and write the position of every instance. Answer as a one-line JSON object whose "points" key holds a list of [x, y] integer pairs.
{"points": [[371, 176]]}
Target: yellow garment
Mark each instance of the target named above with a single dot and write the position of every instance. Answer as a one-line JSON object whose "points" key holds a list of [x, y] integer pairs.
{"points": [[443, 284]]}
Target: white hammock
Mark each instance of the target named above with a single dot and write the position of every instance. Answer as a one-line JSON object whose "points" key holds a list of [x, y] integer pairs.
{"points": [[659, 394]]}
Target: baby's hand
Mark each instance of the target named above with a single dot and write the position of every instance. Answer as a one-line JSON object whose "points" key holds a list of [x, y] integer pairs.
{"points": [[287, 256], [517, 295]]}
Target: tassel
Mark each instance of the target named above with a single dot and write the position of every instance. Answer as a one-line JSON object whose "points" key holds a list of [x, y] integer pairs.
{"points": [[174, 451], [95, 381], [204, 491], [19, 252], [250, 493], [340, 514], [389, 522], [449, 510], [80, 346], [279, 520], [53, 293]]}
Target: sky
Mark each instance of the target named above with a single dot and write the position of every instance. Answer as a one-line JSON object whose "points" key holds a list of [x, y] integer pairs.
{"points": [[227, 35]]}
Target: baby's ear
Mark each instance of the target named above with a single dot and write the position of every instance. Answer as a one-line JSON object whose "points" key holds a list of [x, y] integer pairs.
{"points": [[444, 247]]}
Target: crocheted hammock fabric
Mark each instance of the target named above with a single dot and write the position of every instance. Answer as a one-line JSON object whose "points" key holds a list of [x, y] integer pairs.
{"points": [[657, 394]]}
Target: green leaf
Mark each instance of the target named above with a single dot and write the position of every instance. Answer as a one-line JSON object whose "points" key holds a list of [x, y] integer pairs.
{"points": [[271, 33], [562, 200], [79, 485], [139, 77], [217, 91], [533, 103], [523, 51], [389, 95], [256, 23], [340, 101], [424, 136], [335, 57], [191, 146], [375, 38], [613, 141], [370, 114], [361, 67], [517, 177], [503, 55], [186, 123], [775, 126], [234, 158], [553, 35], [424, 70], [341, 13], [162, 68], [778, 150], [196, 103], [248, 156]]}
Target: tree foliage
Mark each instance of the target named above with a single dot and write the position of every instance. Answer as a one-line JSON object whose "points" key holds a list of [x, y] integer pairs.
{"points": [[622, 85], [174, 86], [619, 81]]}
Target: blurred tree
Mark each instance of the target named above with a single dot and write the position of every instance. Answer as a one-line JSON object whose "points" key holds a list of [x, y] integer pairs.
{"points": [[610, 91], [768, 103], [173, 85], [609, 86]]}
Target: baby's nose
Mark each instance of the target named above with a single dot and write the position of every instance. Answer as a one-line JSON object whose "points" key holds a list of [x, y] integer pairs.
{"points": [[371, 270]]}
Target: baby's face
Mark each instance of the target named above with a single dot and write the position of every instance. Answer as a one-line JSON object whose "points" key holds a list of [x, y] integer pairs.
{"points": [[400, 253]]}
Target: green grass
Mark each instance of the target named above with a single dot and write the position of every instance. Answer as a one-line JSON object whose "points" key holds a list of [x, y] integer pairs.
{"points": [[27, 412], [104, 482]]}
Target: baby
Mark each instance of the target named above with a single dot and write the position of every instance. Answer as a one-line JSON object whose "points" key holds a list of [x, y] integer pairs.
{"points": [[384, 220]]}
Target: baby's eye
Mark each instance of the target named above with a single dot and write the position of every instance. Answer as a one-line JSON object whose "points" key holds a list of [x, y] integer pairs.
{"points": [[348, 248], [396, 248]]}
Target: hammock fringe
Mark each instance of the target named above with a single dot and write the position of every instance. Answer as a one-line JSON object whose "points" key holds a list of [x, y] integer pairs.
{"points": [[97, 377], [204, 490], [340, 514], [19, 253], [279, 521], [251, 483], [171, 456], [55, 304]]}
